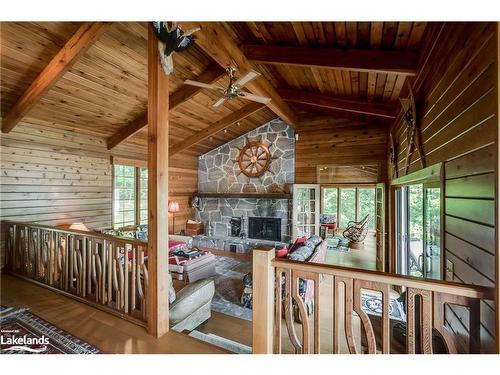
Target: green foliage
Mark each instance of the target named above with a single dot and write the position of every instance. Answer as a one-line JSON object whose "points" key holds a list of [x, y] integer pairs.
{"points": [[367, 205], [347, 206], [330, 200]]}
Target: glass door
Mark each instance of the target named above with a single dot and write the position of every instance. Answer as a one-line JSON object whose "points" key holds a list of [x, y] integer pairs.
{"points": [[432, 231], [418, 230], [306, 206]]}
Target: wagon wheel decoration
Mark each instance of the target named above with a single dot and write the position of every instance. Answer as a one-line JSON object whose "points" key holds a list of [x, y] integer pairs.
{"points": [[254, 159]]}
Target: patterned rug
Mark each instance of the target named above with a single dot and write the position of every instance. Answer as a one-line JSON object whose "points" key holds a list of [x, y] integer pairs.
{"points": [[229, 287], [25, 333]]}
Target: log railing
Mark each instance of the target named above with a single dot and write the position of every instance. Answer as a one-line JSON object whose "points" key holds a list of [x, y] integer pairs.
{"points": [[351, 329], [105, 271]]}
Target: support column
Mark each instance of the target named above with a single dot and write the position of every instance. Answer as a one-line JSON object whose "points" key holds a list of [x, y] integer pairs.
{"points": [[263, 301], [158, 91]]}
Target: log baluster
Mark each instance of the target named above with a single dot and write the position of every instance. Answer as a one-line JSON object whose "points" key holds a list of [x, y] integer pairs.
{"points": [[102, 269]]}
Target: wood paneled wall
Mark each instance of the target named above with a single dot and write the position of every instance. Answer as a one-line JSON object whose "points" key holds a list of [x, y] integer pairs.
{"points": [[339, 141], [53, 176], [457, 107]]}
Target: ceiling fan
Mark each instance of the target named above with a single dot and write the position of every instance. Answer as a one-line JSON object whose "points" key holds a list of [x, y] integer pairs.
{"points": [[233, 90]]}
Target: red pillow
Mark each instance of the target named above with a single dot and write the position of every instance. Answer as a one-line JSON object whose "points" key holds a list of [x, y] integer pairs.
{"points": [[282, 253], [299, 241]]}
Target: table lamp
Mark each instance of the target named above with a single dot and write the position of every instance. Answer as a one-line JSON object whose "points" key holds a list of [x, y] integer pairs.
{"points": [[173, 207]]}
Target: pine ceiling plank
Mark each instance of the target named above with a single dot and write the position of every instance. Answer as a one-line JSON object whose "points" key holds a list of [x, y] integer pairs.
{"points": [[215, 42], [218, 126], [76, 46], [186, 92]]}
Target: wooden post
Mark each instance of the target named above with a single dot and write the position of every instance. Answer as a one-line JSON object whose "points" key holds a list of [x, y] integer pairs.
{"points": [[263, 301], [157, 293]]}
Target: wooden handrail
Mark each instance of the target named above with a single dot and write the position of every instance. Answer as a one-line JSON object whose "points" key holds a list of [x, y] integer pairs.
{"points": [[298, 304], [441, 286], [102, 236]]}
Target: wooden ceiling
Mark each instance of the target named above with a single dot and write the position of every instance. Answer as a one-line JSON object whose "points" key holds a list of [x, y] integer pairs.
{"points": [[105, 90]]}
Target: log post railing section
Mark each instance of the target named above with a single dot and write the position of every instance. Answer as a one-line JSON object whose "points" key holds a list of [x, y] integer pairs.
{"points": [[104, 271], [343, 305]]}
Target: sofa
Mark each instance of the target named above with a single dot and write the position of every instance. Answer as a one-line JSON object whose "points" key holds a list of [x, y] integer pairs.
{"points": [[191, 306], [312, 249]]}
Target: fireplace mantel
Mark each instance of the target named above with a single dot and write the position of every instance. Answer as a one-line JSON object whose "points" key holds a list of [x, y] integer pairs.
{"points": [[245, 195]]}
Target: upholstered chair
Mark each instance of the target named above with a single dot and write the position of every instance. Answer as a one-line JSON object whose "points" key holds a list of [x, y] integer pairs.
{"points": [[191, 306]]}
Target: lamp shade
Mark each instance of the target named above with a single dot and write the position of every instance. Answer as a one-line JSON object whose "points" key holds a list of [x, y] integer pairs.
{"points": [[173, 206]]}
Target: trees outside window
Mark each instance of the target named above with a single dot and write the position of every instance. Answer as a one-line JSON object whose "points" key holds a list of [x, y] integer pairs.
{"points": [[130, 195], [350, 203]]}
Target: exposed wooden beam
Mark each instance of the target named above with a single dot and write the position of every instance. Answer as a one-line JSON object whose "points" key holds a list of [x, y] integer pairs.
{"points": [[385, 110], [211, 74], [75, 47], [128, 131], [216, 127], [157, 292], [379, 61], [214, 40]]}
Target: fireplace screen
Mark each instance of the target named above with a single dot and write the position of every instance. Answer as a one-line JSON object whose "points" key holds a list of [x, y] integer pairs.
{"points": [[264, 228]]}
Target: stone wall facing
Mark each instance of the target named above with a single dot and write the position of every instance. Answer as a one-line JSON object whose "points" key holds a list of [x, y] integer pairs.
{"points": [[218, 172]]}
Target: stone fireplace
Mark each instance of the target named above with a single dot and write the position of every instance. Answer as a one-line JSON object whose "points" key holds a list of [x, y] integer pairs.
{"points": [[219, 174]]}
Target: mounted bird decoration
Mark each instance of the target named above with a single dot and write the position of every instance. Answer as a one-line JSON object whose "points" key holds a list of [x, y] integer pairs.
{"points": [[413, 135], [171, 38], [393, 156]]}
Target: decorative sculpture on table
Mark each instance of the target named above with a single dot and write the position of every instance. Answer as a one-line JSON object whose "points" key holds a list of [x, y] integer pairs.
{"points": [[412, 136], [171, 38]]}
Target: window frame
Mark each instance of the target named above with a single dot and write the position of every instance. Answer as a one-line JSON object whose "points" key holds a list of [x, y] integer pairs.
{"points": [[356, 192], [137, 191]]}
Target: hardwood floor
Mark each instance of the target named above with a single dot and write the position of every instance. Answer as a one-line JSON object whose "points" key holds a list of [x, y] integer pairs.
{"points": [[107, 332], [364, 256], [114, 335]]}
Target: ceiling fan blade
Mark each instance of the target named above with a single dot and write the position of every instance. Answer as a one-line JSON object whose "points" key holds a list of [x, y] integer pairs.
{"points": [[204, 85], [219, 102], [242, 81], [255, 98]]}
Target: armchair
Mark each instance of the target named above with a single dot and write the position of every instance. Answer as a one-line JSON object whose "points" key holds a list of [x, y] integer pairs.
{"points": [[191, 306], [356, 231]]}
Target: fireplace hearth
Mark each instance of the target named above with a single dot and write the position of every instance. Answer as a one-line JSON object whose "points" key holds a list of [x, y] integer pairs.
{"points": [[264, 228]]}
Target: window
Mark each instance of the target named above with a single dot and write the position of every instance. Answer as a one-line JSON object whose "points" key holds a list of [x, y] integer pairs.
{"points": [[330, 197], [143, 196], [366, 205], [349, 203], [347, 206], [418, 230], [130, 196]]}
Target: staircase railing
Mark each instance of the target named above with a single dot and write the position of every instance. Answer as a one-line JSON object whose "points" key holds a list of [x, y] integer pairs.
{"points": [[277, 297], [101, 270]]}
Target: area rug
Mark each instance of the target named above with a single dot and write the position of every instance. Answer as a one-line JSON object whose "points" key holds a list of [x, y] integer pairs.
{"points": [[221, 342], [229, 287], [25, 333], [371, 303]]}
